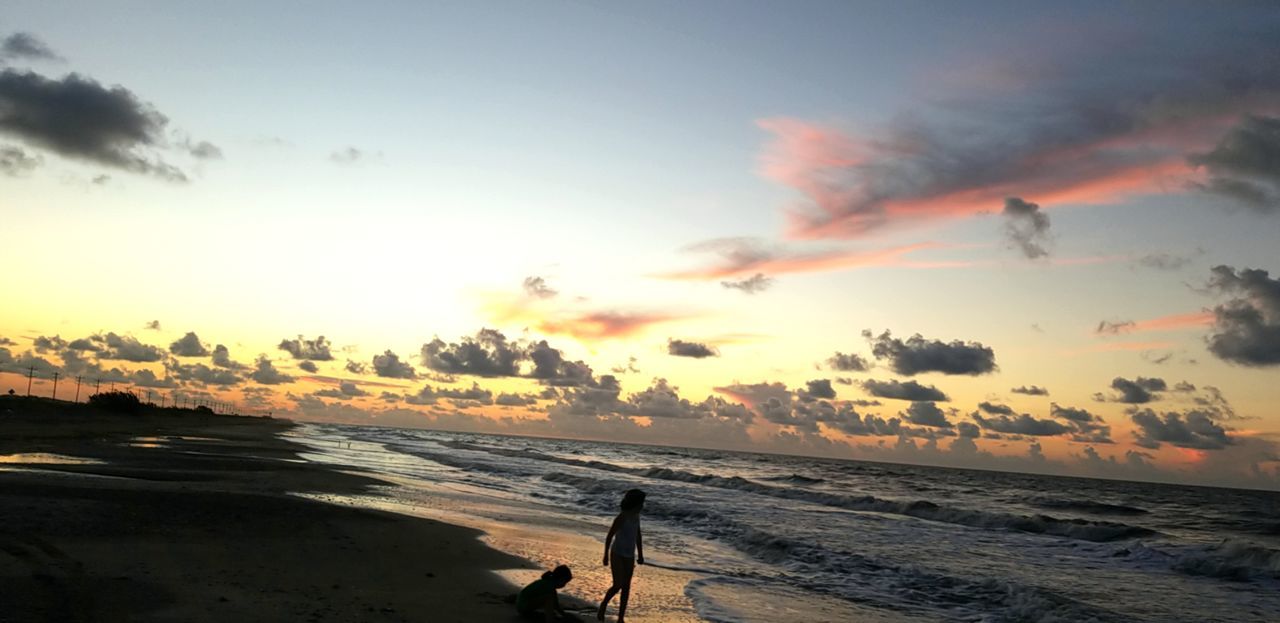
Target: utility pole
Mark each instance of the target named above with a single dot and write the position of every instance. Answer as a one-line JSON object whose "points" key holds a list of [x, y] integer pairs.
{"points": [[96, 382], [55, 385], [31, 371], [78, 379]]}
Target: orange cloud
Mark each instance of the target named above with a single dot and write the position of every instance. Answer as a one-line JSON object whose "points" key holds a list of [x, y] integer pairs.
{"points": [[742, 257], [1175, 322], [605, 324]]}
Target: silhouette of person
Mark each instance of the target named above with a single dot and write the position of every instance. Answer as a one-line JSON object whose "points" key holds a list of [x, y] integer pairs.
{"points": [[540, 595], [623, 548]]}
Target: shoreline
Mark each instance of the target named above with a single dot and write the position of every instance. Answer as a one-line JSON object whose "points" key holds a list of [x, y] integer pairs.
{"points": [[200, 517]]}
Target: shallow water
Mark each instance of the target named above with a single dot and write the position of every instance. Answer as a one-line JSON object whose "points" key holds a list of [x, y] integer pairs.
{"points": [[751, 537]]}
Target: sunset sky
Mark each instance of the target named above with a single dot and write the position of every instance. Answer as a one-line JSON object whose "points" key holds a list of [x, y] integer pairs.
{"points": [[1022, 236]]}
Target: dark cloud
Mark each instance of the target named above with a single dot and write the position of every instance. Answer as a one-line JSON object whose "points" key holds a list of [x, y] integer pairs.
{"points": [[1107, 327], [204, 375], [968, 430], [515, 400], [1022, 425], [1026, 227], [153, 325], [489, 353], [83, 344], [222, 358], [754, 284], [550, 366], [1245, 164], [916, 355], [1191, 429], [345, 391], [78, 118], [1138, 391], [189, 346], [537, 287], [630, 367], [1030, 390], [900, 390], [26, 46], [926, 414], [356, 367], [266, 373], [302, 348], [1246, 328], [820, 388], [388, 365], [127, 348], [15, 162], [995, 409], [1085, 426], [45, 344], [848, 362], [308, 366], [696, 350]]}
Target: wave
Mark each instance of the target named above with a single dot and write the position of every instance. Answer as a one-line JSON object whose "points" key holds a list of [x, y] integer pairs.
{"points": [[1088, 506], [1231, 560], [798, 479], [831, 570]]}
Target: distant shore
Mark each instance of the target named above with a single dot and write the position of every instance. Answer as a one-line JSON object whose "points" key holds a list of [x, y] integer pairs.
{"points": [[177, 515]]}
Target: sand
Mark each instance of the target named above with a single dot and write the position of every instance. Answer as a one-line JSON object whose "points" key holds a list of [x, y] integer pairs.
{"points": [[168, 517]]}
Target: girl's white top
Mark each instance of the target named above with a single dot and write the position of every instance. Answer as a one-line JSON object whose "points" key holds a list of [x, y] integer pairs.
{"points": [[624, 540]]}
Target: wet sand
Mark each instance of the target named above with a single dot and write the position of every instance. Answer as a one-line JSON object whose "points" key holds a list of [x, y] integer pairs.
{"points": [[190, 517]]}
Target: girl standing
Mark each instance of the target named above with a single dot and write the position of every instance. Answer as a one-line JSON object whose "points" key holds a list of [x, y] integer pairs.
{"points": [[623, 548]]}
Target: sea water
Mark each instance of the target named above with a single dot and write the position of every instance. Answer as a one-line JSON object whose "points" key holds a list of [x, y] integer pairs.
{"points": [[734, 536]]}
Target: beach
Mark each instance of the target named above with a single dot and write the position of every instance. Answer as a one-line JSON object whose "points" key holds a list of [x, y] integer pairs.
{"points": [[193, 517]]}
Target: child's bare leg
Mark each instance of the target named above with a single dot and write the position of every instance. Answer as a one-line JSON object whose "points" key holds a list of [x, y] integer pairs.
{"points": [[613, 590], [622, 602]]}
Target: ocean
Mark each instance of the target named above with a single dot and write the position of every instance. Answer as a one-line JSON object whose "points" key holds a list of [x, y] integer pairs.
{"points": [[733, 536]]}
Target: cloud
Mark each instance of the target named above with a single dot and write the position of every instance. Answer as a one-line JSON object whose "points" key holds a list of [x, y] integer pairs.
{"points": [[1026, 227], [917, 355], [1022, 425], [1246, 328], [1163, 261], [78, 118], [302, 348], [266, 373], [1190, 429], [926, 414], [820, 388], [1245, 165], [1172, 322], [189, 346], [848, 362], [754, 284], [222, 358], [204, 375], [153, 325], [1107, 327], [1082, 126], [1086, 427], [346, 390], [505, 399], [351, 155], [696, 350], [536, 287], [45, 344], [127, 348], [1030, 390], [900, 390], [629, 368], [308, 366], [489, 353], [388, 365], [26, 46], [605, 324], [550, 366], [15, 162], [355, 367], [995, 409], [747, 257], [1138, 391], [203, 150]]}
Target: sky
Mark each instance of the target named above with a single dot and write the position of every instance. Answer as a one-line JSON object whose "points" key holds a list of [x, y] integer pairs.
{"points": [[1018, 236]]}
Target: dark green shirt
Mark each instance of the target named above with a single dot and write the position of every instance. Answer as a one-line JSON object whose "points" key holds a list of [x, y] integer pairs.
{"points": [[535, 595]]}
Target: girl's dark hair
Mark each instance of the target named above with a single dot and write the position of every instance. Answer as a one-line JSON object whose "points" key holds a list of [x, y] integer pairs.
{"points": [[561, 573], [632, 499]]}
